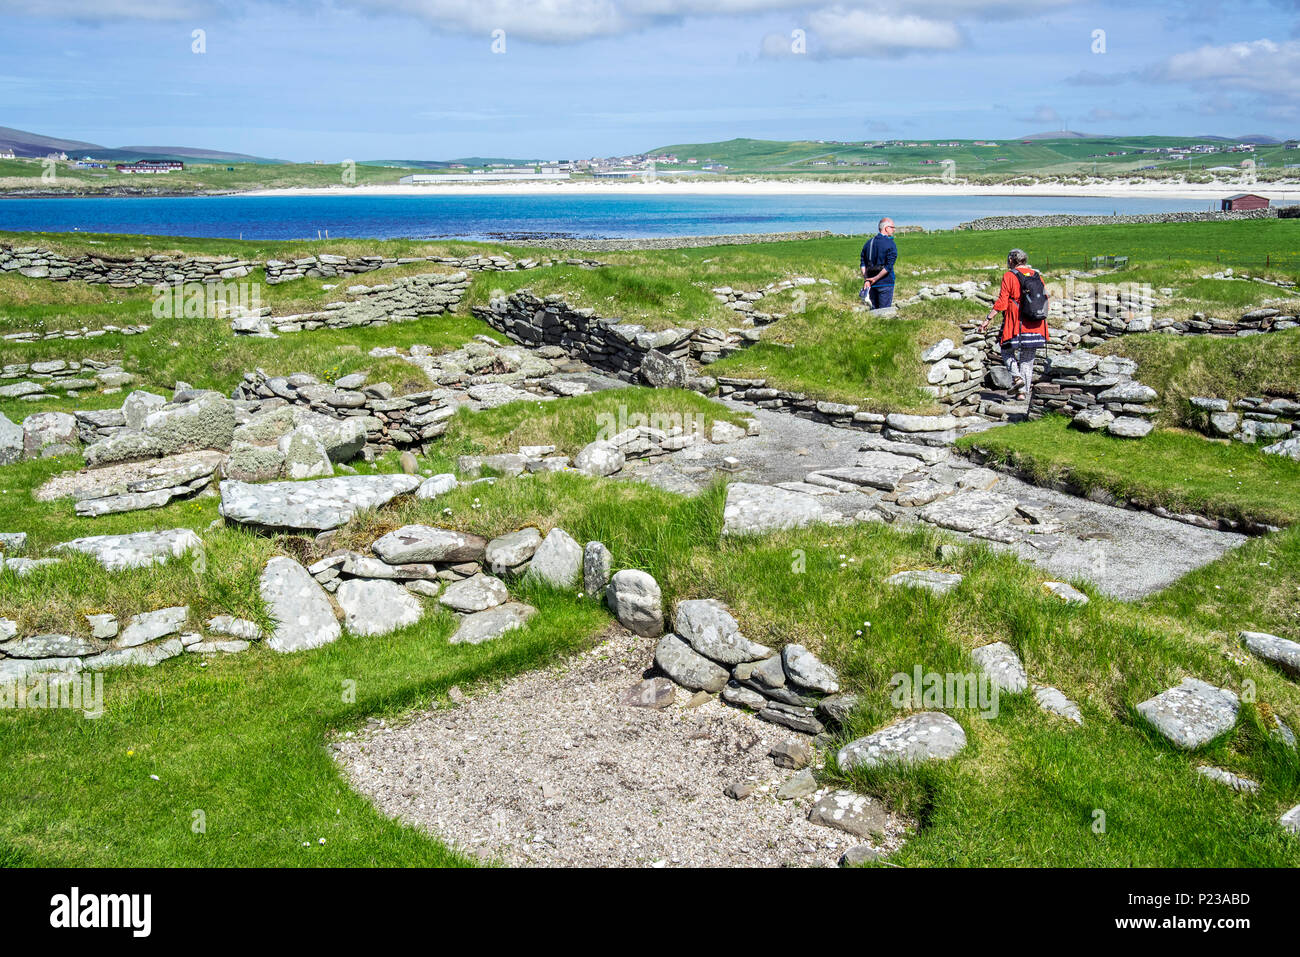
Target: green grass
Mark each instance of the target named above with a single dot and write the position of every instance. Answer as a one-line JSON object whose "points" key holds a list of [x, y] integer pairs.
{"points": [[875, 363], [1180, 471], [570, 424], [1226, 367], [242, 741], [244, 738]]}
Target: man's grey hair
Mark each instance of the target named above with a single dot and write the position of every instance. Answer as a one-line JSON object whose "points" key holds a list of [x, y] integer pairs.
{"points": [[1017, 257], [880, 226]]}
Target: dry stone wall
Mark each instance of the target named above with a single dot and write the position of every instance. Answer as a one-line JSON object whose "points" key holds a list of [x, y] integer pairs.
{"points": [[1033, 222], [126, 271], [326, 265], [37, 263], [401, 300]]}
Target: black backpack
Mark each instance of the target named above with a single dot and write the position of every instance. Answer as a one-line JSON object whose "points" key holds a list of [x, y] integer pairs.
{"points": [[1033, 297]]}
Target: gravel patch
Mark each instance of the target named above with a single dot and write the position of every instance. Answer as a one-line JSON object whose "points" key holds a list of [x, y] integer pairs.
{"points": [[551, 769]]}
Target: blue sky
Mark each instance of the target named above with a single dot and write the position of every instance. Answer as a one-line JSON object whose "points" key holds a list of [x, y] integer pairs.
{"points": [[370, 79]]}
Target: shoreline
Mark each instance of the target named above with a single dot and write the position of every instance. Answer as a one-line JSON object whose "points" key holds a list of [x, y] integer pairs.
{"points": [[1204, 192]]}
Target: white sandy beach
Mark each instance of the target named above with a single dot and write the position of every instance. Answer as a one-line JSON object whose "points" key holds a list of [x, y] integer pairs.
{"points": [[1202, 192]]}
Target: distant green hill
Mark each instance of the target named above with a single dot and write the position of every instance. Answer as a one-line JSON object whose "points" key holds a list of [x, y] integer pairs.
{"points": [[1066, 154]]}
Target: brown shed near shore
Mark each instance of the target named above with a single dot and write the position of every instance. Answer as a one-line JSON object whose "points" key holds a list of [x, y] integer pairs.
{"points": [[1244, 201]]}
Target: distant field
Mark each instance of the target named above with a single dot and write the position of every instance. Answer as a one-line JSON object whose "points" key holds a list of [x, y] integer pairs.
{"points": [[1049, 157], [799, 159]]}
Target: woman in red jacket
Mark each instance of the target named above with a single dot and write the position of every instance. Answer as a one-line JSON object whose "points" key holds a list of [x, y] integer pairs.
{"points": [[1022, 336]]}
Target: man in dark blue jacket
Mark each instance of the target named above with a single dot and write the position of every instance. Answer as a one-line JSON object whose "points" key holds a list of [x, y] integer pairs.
{"points": [[878, 256]]}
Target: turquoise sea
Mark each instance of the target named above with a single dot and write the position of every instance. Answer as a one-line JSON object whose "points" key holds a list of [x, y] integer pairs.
{"points": [[532, 217]]}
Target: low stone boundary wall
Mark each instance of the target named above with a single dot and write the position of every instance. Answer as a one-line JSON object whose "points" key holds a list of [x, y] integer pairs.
{"points": [[1033, 222], [38, 263], [1255, 420], [1099, 392], [607, 344], [401, 300], [326, 265]]}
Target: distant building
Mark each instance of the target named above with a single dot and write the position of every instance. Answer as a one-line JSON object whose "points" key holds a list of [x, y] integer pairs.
{"points": [[7, 154], [1244, 201], [151, 166]]}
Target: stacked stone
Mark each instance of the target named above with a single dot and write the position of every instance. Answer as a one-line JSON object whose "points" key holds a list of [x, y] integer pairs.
{"points": [[68, 376], [955, 374], [85, 332], [745, 302], [607, 344], [327, 265], [37, 263], [146, 639], [1100, 392], [792, 688], [386, 420], [402, 300], [1250, 323], [1253, 420], [976, 291], [459, 556], [1033, 222]]}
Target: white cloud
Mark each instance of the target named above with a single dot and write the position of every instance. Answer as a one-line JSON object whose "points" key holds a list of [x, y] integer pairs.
{"points": [[1261, 66], [842, 32], [847, 28]]}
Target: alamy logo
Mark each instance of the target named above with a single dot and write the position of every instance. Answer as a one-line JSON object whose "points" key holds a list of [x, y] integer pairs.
{"points": [[73, 910], [205, 300], [84, 692], [610, 424], [944, 690]]}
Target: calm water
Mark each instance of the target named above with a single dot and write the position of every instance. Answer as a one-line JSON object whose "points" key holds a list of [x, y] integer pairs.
{"points": [[511, 217]]}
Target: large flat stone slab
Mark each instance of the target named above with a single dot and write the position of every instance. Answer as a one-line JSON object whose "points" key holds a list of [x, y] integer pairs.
{"points": [[317, 505], [925, 736], [1003, 666], [1278, 651], [1191, 714], [302, 612], [136, 550], [485, 625], [377, 606], [751, 509], [930, 579], [969, 510], [429, 543], [130, 477]]}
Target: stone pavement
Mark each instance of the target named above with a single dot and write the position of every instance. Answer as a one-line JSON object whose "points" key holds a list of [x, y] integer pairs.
{"points": [[1126, 553]]}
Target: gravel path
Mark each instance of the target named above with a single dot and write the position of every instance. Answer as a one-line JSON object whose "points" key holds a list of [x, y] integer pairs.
{"points": [[551, 769]]}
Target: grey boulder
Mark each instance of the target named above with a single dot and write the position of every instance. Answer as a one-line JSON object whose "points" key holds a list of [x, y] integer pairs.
{"points": [[377, 606], [925, 736], [708, 627], [557, 561], [426, 543], [485, 625], [684, 665], [636, 601], [301, 611]]}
